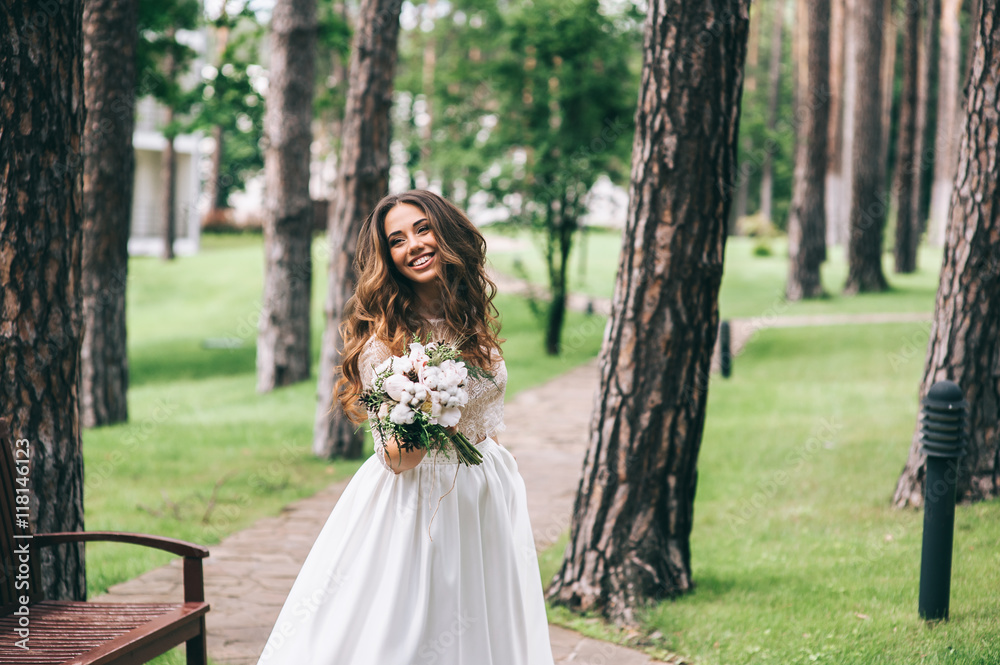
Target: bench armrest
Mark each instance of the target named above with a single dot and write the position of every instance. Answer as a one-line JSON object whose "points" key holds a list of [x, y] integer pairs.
{"points": [[194, 579], [173, 545]]}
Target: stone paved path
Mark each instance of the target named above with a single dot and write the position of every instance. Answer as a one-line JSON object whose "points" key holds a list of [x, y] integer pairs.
{"points": [[248, 575]]}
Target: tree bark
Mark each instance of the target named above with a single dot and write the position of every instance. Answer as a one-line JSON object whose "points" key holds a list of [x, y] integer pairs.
{"points": [[868, 196], [41, 243], [110, 31], [362, 180], [807, 217], [773, 91], [744, 170], [630, 535], [907, 164], [835, 194], [839, 228], [283, 349], [888, 75], [964, 344], [946, 137], [216, 191], [924, 143]]}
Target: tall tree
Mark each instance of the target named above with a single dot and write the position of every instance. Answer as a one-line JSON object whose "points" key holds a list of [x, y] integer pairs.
{"points": [[630, 535], [947, 135], [168, 159], [907, 164], [868, 197], [363, 179], [41, 238], [964, 344], [283, 349], [835, 186], [110, 31], [888, 76], [773, 91], [924, 142], [838, 228], [739, 208], [807, 219]]}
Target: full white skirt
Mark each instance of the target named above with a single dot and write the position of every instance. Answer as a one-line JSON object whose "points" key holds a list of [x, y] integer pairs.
{"points": [[389, 582]]}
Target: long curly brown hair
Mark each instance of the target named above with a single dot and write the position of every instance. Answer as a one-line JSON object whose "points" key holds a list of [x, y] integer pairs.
{"points": [[384, 301]]}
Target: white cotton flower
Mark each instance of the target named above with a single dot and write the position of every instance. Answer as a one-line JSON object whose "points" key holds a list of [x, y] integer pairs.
{"points": [[395, 386], [383, 366], [401, 365], [415, 394], [431, 377], [449, 417], [402, 414]]}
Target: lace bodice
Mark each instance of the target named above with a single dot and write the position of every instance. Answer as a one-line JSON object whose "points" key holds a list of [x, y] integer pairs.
{"points": [[482, 417]]}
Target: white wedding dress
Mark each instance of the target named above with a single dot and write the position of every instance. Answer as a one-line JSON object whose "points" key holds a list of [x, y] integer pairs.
{"points": [[389, 582]]}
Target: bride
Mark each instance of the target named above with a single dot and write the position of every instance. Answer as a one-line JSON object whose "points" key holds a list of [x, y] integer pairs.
{"points": [[423, 559]]}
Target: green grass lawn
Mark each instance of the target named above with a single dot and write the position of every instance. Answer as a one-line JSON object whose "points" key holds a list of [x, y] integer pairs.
{"points": [[752, 286], [796, 554], [203, 454]]}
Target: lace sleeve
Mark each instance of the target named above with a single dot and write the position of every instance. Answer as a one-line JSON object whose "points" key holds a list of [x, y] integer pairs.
{"points": [[374, 353]]}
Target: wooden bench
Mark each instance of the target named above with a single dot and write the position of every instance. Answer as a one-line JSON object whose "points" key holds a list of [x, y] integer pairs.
{"points": [[77, 632]]}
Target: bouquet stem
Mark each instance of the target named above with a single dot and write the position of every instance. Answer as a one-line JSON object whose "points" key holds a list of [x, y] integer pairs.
{"points": [[467, 453]]}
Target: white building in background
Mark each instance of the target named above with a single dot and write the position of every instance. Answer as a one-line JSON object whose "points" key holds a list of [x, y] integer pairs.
{"points": [[147, 233]]}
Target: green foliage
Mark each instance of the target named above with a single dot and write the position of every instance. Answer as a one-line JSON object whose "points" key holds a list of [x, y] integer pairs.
{"points": [[229, 98], [333, 42], [756, 141], [462, 99], [158, 23], [535, 102]]}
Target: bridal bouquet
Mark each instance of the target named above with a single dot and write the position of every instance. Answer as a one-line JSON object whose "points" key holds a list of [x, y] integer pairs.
{"points": [[418, 395]]}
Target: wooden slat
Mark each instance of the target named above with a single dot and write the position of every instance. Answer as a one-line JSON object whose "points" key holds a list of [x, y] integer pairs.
{"points": [[78, 633]]}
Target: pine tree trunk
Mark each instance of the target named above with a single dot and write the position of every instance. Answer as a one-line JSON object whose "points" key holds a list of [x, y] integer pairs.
{"points": [[773, 91], [630, 535], [41, 245], [835, 136], [807, 217], [888, 75], [168, 173], [868, 196], [110, 31], [907, 169], [283, 349], [839, 228], [946, 137], [964, 344], [362, 180], [924, 142], [216, 192]]}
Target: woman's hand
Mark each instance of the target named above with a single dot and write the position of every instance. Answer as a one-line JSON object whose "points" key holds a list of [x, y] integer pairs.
{"points": [[400, 460]]}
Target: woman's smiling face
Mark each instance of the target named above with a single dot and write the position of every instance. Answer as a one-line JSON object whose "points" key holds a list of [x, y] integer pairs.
{"points": [[412, 245]]}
